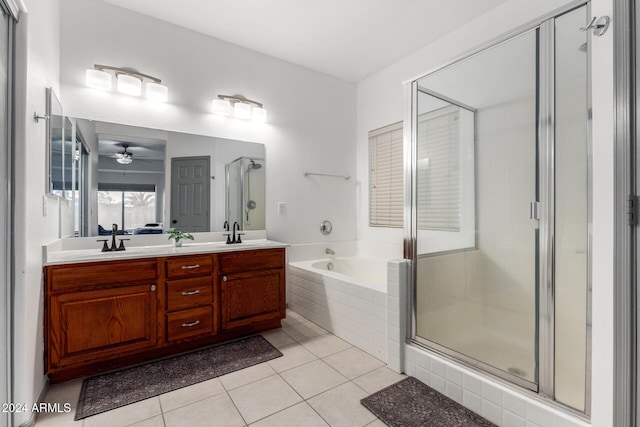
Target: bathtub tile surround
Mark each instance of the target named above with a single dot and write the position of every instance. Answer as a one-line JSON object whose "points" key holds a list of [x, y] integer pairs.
{"points": [[345, 309], [305, 390], [500, 404], [351, 305], [397, 273]]}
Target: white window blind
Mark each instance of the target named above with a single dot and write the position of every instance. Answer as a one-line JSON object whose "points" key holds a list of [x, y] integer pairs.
{"points": [[386, 177], [438, 205]]}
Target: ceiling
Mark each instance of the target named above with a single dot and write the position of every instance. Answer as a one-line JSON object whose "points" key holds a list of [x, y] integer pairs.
{"points": [[349, 39], [141, 148]]}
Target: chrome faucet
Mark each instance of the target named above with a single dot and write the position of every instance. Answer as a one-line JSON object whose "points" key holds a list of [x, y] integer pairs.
{"points": [[329, 251]]}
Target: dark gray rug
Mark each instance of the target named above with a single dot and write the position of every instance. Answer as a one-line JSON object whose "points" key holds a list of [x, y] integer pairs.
{"points": [[120, 388], [410, 403]]}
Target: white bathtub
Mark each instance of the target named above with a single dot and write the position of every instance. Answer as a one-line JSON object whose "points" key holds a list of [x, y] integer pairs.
{"points": [[366, 272], [350, 300]]}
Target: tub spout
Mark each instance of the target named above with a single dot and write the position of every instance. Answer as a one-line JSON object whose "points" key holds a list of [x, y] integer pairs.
{"points": [[329, 251]]}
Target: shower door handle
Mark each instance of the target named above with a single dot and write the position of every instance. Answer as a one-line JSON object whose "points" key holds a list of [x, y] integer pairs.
{"points": [[533, 210]]}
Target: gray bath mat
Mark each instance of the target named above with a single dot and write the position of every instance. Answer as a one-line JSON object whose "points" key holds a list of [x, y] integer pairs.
{"points": [[120, 388], [410, 403]]}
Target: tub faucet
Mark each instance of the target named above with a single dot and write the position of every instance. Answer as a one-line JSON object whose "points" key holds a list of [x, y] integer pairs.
{"points": [[329, 251]]}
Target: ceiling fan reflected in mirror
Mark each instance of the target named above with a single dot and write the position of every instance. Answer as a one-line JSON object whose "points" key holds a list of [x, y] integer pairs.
{"points": [[124, 157]]}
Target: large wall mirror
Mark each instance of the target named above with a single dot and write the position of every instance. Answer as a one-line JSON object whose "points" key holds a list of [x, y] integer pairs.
{"points": [[149, 180], [55, 145]]}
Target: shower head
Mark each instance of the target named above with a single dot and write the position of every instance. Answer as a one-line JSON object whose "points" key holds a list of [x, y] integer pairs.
{"points": [[254, 165]]}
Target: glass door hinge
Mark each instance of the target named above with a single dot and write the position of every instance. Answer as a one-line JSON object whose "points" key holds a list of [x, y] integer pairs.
{"points": [[633, 210]]}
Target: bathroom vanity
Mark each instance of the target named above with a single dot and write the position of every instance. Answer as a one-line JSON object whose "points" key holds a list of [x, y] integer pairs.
{"points": [[135, 306]]}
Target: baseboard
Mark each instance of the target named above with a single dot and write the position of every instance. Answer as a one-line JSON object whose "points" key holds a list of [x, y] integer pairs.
{"points": [[34, 415]]}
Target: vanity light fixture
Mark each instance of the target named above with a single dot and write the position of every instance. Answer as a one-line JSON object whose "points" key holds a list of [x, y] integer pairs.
{"points": [[129, 82], [240, 107]]}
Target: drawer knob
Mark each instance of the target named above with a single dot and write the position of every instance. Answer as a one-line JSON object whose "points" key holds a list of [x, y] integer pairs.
{"points": [[224, 278], [190, 324], [153, 288], [190, 267], [185, 293]]}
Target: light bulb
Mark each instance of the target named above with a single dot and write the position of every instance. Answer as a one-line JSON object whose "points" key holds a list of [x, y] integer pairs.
{"points": [[157, 92], [258, 114], [242, 110], [221, 107], [124, 160], [129, 85], [97, 79]]}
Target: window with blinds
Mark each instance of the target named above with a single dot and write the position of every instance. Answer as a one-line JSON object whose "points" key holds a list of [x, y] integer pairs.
{"points": [[386, 177], [438, 204]]}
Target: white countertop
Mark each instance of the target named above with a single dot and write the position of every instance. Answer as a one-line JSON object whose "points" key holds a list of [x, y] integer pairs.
{"points": [[56, 253]]}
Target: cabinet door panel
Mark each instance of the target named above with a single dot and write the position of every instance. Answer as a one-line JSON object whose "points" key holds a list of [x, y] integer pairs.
{"points": [[252, 297], [100, 323]]}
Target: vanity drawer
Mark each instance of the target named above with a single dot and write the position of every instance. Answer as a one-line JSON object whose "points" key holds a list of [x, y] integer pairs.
{"points": [[117, 273], [188, 323], [198, 265], [188, 293], [262, 259]]}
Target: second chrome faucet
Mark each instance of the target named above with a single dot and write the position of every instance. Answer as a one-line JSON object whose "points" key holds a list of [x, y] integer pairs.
{"points": [[329, 251]]}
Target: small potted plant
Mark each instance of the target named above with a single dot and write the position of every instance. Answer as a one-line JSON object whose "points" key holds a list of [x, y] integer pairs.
{"points": [[177, 236]]}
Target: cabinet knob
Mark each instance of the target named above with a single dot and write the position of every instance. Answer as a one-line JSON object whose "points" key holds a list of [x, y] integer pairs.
{"points": [[224, 278], [153, 288]]}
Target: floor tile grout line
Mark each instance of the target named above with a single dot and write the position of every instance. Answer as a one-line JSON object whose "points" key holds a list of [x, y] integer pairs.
{"points": [[237, 409], [164, 422], [290, 406], [250, 382], [317, 394]]}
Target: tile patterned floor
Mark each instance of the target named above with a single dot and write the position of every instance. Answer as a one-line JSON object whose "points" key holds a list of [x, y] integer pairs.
{"points": [[318, 382]]}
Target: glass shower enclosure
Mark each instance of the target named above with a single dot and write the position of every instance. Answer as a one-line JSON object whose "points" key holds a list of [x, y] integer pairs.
{"points": [[499, 220], [245, 193]]}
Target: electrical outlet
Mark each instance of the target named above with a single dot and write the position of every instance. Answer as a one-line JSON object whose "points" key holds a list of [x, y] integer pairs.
{"points": [[281, 207]]}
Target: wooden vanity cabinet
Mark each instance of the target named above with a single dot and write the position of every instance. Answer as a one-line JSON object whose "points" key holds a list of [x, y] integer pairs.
{"points": [[105, 315], [95, 313], [251, 287]]}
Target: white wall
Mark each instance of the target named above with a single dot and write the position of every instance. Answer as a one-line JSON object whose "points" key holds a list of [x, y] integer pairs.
{"points": [[380, 101], [37, 67], [311, 115]]}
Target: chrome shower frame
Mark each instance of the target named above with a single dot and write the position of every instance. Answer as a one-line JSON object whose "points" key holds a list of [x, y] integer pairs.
{"points": [[544, 388], [243, 173]]}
